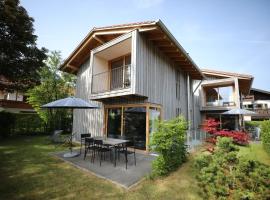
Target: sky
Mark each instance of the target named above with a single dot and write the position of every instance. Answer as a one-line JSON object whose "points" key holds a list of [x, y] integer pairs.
{"points": [[228, 35]]}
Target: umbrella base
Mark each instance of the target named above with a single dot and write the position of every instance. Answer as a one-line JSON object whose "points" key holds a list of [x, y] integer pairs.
{"points": [[71, 154]]}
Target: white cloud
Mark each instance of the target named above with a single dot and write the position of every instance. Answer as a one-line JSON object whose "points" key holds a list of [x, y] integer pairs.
{"points": [[146, 3]]}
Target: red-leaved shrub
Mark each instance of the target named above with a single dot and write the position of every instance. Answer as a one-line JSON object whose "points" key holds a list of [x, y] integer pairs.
{"points": [[211, 127]]}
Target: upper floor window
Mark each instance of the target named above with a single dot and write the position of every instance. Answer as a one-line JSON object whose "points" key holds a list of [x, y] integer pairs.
{"points": [[178, 85], [120, 72]]}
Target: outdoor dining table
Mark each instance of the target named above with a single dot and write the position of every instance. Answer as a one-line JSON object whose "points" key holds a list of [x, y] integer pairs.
{"points": [[112, 142]]}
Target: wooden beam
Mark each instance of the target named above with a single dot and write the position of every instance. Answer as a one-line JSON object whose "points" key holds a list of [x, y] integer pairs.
{"points": [[98, 39], [163, 44], [157, 37], [71, 66]]}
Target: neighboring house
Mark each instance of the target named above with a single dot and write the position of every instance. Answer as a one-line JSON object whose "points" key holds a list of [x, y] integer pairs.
{"points": [[259, 102], [136, 73], [222, 91], [14, 102]]}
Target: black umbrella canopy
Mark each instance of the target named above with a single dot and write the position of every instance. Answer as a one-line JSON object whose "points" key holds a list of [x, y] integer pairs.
{"points": [[70, 102]]}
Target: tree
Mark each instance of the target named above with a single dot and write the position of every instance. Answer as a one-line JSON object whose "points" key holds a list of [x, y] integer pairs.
{"points": [[54, 85], [20, 58]]}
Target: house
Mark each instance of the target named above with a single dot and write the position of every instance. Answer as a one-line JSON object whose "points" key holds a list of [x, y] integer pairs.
{"points": [[14, 102], [220, 92], [258, 101], [136, 73]]}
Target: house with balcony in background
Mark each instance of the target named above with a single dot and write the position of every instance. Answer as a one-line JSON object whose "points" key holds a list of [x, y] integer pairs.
{"points": [[136, 73], [220, 92], [13, 102], [258, 101]]}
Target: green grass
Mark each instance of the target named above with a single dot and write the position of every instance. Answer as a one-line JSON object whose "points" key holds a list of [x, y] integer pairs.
{"points": [[28, 171], [255, 151]]}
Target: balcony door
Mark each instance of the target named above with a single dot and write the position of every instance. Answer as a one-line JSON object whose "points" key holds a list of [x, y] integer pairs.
{"points": [[120, 72]]}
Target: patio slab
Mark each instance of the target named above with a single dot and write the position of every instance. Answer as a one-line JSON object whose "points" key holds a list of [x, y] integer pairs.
{"points": [[119, 174]]}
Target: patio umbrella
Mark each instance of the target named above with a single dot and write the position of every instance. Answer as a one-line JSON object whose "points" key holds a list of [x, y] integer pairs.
{"points": [[239, 111], [70, 103]]}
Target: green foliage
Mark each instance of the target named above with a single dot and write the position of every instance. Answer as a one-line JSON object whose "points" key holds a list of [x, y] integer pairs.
{"points": [[6, 122], [27, 124], [169, 142], [265, 135], [18, 124], [54, 85], [20, 58], [225, 175], [202, 161]]}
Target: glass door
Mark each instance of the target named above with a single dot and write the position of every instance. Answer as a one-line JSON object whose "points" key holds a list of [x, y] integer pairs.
{"points": [[114, 122], [135, 125], [134, 122]]}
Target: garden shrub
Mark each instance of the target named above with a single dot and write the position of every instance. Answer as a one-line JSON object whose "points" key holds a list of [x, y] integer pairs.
{"points": [[6, 122], [211, 126], [224, 175], [265, 135], [18, 124], [169, 142]]}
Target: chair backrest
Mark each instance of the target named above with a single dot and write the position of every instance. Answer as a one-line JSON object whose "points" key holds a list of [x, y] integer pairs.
{"points": [[89, 141], [85, 135], [98, 142]]}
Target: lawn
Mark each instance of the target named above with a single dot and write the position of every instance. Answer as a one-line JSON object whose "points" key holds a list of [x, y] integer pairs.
{"points": [[28, 171], [255, 151]]}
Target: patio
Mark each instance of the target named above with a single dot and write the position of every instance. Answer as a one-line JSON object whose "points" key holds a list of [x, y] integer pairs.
{"points": [[119, 174]]}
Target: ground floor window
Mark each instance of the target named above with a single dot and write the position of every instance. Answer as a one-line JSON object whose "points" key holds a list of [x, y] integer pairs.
{"points": [[136, 121]]}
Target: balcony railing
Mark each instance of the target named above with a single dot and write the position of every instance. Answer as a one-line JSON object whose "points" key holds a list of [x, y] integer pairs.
{"points": [[261, 111], [115, 79], [219, 103]]}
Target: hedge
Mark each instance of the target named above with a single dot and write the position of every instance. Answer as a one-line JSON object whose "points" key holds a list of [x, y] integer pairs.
{"points": [[265, 135]]}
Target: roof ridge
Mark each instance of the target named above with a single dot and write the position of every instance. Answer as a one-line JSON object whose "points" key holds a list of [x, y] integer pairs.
{"points": [[125, 24]]}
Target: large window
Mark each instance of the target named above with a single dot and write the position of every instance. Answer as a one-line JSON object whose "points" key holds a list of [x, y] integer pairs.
{"points": [[219, 96], [131, 122], [120, 72]]}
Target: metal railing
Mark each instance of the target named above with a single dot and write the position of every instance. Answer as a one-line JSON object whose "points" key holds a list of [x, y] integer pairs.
{"points": [[219, 103], [117, 78], [261, 111]]}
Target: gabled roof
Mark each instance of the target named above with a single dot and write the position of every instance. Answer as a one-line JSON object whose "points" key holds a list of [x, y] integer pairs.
{"points": [[245, 80], [153, 30], [261, 91]]}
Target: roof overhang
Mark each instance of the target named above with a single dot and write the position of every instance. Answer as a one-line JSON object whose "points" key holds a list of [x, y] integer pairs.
{"points": [[155, 31], [244, 80]]}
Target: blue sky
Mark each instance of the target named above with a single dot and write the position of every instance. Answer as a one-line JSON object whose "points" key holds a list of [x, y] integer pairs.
{"points": [[229, 35]]}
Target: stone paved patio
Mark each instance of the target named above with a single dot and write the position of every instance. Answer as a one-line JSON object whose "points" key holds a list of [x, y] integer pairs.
{"points": [[119, 174]]}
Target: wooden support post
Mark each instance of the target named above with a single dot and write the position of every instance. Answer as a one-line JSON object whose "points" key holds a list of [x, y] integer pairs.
{"points": [[147, 129]]}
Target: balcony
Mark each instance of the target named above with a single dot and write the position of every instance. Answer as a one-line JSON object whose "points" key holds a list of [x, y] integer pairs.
{"points": [[114, 79], [220, 103], [14, 104], [218, 97]]}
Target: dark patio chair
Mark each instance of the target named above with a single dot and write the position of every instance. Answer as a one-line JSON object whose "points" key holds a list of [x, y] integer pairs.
{"points": [[83, 136], [89, 147], [128, 149], [101, 149]]}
